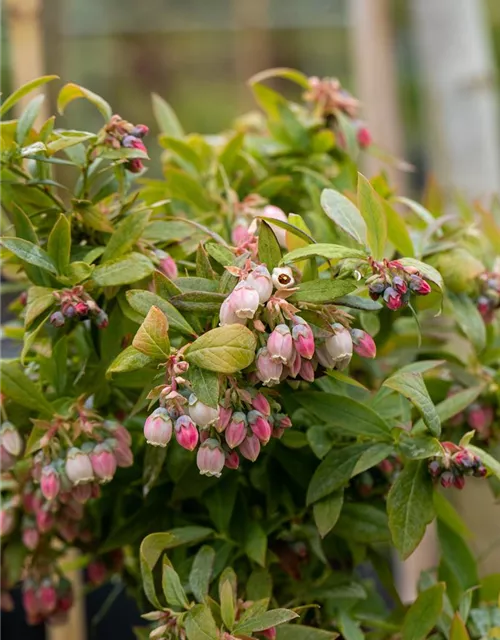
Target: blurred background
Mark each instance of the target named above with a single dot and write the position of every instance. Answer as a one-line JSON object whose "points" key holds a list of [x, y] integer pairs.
{"points": [[425, 70]]}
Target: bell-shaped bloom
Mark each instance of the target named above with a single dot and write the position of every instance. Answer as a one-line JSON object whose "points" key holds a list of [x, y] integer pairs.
{"points": [[158, 428], [282, 278], [210, 458], [261, 403], [260, 426], [280, 344], [224, 418], [201, 413], [103, 462], [306, 371], [50, 483], [260, 280], [303, 338], [10, 439], [78, 467], [250, 448], [232, 460], [236, 430], [419, 286], [244, 300], [186, 433], [339, 346], [393, 299], [268, 370], [363, 343]]}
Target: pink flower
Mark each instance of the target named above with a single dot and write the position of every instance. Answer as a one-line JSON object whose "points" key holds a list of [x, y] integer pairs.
{"points": [[224, 418], [10, 439], [339, 346], [419, 286], [270, 211], [393, 299], [250, 448], [167, 265], [44, 520], [294, 365], [480, 418], [30, 538], [232, 460], [269, 634], [268, 371], [236, 430], [280, 344], [244, 300], [363, 136], [49, 482], [303, 337], [282, 278], [78, 467], [399, 285], [210, 458], [201, 413], [240, 233], [47, 597], [123, 454], [82, 493], [186, 433], [103, 462], [306, 370], [261, 403], [364, 344], [7, 522], [283, 421], [158, 428], [260, 280], [7, 460], [259, 426]]}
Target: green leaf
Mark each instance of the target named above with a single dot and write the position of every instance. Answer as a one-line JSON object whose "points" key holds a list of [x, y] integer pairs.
{"points": [[269, 248], [458, 630], [124, 270], [27, 119], [326, 512], [33, 443], [152, 336], [153, 545], [23, 91], [424, 613], [397, 231], [141, 301], [412, 387], [372, 457], [446, 512], [126, 234], [220, 254], [281, 72], [334, 472], [72, 92], [418, 447], [166, 118], [259, 585], [22, 224], [327, 251], [227, 608], [198, 302], [291, 228], [454, 404], [410, 506], [184, 187], [345, 215], [19, 388], [203, 267], [230, 152], [59, 243], [301, 632], [323, 290], [362, 523], [469, 319], [154, 458], [357, 302], [187, 156], [256, 543], [350, 628], [172, 588], [205, 385], [201, 572], [488, 460], [39, 300], [265, 620], [129, 360], [372, 210], [225, 349], [200, 625], [30, 253], [428, 272]]}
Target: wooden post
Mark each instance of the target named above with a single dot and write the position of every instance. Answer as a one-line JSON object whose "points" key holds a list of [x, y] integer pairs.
{"points": [[75, 627]]}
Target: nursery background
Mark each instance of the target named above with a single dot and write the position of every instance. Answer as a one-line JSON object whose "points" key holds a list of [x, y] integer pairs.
{"points": [[426, 73]]}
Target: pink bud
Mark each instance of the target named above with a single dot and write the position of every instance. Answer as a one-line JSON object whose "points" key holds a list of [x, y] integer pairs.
{"points": [[186, 433], [244, 301], [339, 346], [96, 572], [78, 467], [270, 211], [30, 538], [67, 529], [307, 371], [168, 266], [485, 307], [364, 137], [303, 337], [447, 479], [224, 418], [103, 462], [210, 458], [57, 319], [459, 482], [239, 233], [134, 165], [268, 371], [140, 130], [201, 413], [261, 403], [250, 448], [232, 460], [124, 456], [121, 434], [204, 435], [480, 418], [49, 482], [283, 421], [47, 597], [30, 600], [399, 285], [81, 308], [280, 344], [278, 432], [158, 428], [44, 520], [259, 426], [364, 344], [260, 280], [393, 299], [10, 439], [294, 366], [7, 521], [419, 286], [227, 313], [7, 460], [236, 430], [82, 493]]}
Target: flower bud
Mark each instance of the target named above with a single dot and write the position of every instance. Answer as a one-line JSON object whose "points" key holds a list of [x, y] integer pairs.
{"points": [[96, 572], [303, 337], [259, 426], [30, 538], [485, 308], [103, 462], [270, 211], [250, 448], [434, 468], [44, 520], [7, 460], [364, 345], [393, 299], [186, 433], [140, 131], [240, 233], [447, 479], [232, 460], [158, 428], [224, 418], [168, 266], [306, 371], [244, 300], [57, 319], [459, 482], [123, 454], [268, 370], [210, 458], [10, 439], [78, 467], [464, 459], [101, 319], [363, 136], [419, 286], [30, 600], [47, 597], [236, 430], [260, 280], [81, 309], [261, 403], [134, 165], [121, 433], [69, 311], [399, 285], [7, 521], [339, 346], [49, 482], [293, 368], [280, 344], [480, 418], [282, 421], [282, 278], [376, 289], [82, 493], [201, 413]]}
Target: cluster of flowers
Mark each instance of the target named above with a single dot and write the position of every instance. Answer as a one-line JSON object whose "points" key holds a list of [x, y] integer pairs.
{"points": [[394, 283], [119, 133], [489, 298], [76, 304], [454, 464], [478, 416], [328, 98], [46, 597]]}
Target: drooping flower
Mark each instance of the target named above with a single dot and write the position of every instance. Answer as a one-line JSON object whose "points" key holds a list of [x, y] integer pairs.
{"points": [[158, 428], [210, 458]]}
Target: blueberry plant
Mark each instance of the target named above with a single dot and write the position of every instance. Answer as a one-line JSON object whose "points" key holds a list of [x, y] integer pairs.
{"points": [[237, 388]]}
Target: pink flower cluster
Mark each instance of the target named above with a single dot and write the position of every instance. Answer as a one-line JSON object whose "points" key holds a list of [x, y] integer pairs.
{"points": [[46, 597], [119, 133], [478, 416], [394, 283], [76, 304], [489, 298], [455, 464]]}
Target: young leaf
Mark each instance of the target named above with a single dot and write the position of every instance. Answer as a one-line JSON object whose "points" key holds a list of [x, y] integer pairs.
{"points": [[290, 228], [30, 253], [200, 625], [203, 267], [201, 572], [152, 336], [224, 349], [27, 119], [423, 614], [129, 360], [469, 319], [458, 630], [412, 387], [327, 251], [281, 72], [410, 506], [372, 210], [345, 214], [269, 248], [39, 300], [265, 620], [326, 512], [323, 290], [205, 385], [23, 225], [123, 270], [23, 91], [166, 118], [153, 545], [59, 243], [227, 608], [172, 588], [72, 92], [18, 387], [126, 234], [397, 231], [256, 543], [141, 301]]}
